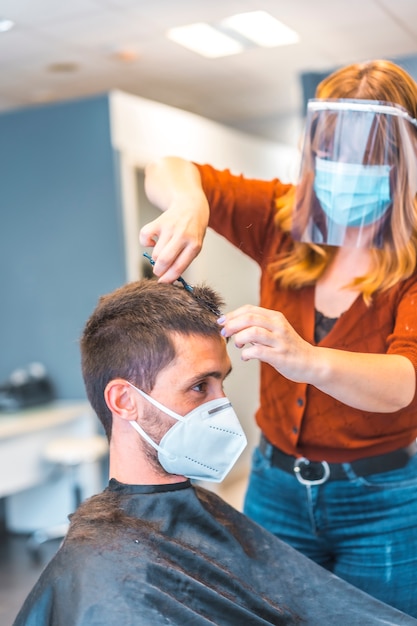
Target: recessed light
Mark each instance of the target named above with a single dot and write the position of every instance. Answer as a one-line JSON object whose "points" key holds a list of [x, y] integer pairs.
{"points": [[205, 40], [63, 68], [126, 54], [5, 25]]}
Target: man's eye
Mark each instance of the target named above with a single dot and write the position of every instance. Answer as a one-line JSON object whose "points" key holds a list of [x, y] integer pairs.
{"points": [[200, 387]]}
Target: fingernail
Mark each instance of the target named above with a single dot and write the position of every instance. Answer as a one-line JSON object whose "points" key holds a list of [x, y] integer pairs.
{"points": [[221, 319]]}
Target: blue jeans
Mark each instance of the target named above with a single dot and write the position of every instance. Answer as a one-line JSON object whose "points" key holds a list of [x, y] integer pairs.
{"points": [[364, 530]]}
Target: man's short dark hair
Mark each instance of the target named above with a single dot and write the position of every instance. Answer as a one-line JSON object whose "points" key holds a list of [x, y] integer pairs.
{"points": [[129, 335]]}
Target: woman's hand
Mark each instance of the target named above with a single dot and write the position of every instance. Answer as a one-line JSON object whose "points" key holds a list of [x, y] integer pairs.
{"points": [[382, 383], [177, 237], [174, 186], [267, 336]]}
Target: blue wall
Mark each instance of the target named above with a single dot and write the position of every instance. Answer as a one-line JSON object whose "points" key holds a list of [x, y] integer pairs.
{"points": [[61, 237]]}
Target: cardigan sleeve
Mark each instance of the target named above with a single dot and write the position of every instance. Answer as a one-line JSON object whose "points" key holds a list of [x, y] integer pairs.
{"points": [[242, 210], [403, 339]]}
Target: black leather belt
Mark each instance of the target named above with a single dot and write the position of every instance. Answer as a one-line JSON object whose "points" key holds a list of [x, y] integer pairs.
{"points": [[318, 472]]}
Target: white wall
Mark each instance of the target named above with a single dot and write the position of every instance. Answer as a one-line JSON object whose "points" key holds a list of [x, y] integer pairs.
{"points": [[142, 131]]}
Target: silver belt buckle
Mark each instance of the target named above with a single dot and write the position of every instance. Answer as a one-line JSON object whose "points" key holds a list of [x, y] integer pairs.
{"points": [[311, 472]]}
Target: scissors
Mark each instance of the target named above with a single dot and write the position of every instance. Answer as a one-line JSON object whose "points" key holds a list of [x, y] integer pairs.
{"points": [[180, 279]]}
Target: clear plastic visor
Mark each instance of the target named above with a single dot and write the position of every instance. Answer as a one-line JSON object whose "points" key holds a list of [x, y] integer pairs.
{"points": [[358, 173]]}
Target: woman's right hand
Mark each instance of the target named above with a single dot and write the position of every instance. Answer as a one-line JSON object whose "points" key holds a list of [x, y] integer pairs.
{"points": [[177, 235]]}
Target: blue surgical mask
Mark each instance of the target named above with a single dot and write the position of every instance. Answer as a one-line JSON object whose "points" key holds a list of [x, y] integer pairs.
{"points": [[352, 194], [204, 444]]}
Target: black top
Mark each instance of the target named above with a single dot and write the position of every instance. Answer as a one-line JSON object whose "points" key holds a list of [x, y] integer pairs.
{"points": [[179, 555], [323, 325]]}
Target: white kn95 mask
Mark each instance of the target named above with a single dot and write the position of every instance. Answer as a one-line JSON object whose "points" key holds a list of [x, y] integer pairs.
{"points": [[204, 444]]}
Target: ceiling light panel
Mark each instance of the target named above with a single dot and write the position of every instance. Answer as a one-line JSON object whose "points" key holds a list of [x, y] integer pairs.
{"points": [[261, 28], [205, 40], [5, 25]]}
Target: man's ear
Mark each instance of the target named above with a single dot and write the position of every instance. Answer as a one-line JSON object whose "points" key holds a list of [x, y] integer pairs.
{"points": [[120, 399]]}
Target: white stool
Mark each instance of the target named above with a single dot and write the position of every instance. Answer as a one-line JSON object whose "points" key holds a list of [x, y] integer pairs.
{"points": [[69, 454]]}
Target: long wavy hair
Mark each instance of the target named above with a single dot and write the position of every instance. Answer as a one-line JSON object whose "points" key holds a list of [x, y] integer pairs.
{"points": [[396, 260]]}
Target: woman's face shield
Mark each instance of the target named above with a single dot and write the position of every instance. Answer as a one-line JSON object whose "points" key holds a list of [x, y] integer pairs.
{"points": [[358, 168]]}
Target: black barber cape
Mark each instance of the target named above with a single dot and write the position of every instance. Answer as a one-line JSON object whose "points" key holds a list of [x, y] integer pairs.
{"points": [[179, 555]]}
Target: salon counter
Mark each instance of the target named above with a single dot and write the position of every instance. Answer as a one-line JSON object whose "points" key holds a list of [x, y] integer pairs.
{"points": [[35, 494], [23, 436]]}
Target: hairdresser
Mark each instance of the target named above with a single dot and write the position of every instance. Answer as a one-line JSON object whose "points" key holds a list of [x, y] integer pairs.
{"points": [[335, 472]]}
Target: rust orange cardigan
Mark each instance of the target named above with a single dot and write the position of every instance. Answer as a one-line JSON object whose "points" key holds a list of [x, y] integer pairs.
{"points": [[298, 418]]}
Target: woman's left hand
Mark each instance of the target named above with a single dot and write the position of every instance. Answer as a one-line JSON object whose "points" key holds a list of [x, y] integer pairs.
{"points": [[381, 383], [268, 336]]}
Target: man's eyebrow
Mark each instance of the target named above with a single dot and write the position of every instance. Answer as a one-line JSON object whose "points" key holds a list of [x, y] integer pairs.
{"points": [[211, 374]]}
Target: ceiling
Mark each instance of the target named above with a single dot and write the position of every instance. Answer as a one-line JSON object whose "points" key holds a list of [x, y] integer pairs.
{"points": [[120, 44]]}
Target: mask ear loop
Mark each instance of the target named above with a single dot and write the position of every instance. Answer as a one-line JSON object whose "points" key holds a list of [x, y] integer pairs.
{"points": [[157, 404], [153, 443], [140, 430]]}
